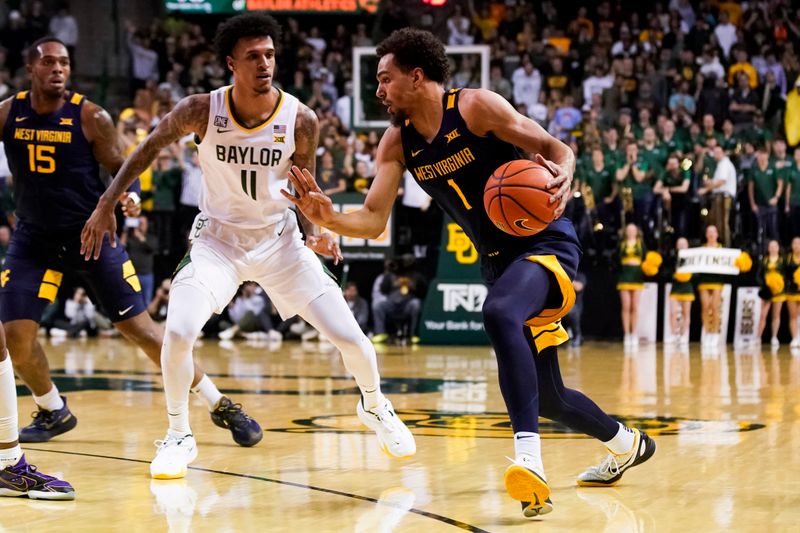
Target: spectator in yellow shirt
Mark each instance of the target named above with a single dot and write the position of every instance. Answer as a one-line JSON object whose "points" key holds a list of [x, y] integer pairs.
{"points": [[743, 65]]}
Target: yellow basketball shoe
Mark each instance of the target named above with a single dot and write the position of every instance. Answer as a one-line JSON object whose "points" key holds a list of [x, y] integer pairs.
{"points": [[610, 469], [525, 484]]}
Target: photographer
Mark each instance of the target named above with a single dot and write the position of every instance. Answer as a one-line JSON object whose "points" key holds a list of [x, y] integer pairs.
{"points": [[141, 247], [80, 313], [157, 308], [404, 288]]}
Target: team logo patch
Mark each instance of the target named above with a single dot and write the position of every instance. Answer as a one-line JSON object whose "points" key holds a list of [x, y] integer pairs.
{"points": [[434, 423], [279, 139], [279, 129], [452, 135], [221, 122], [4, 277], [65, 122]]}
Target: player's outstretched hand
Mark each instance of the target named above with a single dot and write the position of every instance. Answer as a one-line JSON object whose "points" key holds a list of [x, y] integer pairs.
{"points": [[325, 245], [101, 222], [308, 197], [560, 179]]}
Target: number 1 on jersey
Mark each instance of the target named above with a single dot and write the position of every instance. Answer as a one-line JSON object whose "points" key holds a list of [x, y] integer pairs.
{"points": [[252, 191], [460, 194]]}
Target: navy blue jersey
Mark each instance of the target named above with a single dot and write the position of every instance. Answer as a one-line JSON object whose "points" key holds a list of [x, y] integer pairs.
{"points": [[56, 176], [453, 169]]}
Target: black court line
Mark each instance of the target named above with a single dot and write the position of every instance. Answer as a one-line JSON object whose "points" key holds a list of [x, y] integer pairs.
{"points": [[60, 372], [434, 516]]}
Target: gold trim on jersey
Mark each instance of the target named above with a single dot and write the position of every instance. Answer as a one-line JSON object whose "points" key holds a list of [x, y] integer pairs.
{"points": [[51, 281], [269, 119], [76, 98], [549, 316], [22, 95]]}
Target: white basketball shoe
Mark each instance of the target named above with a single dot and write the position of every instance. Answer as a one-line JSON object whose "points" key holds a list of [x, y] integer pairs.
{"points": [[610, 469], [393, 435], [173, 457]]}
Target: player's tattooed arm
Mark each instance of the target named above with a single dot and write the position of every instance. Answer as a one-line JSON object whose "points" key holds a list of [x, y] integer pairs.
{"points": [[189, 116], [306, 138]]}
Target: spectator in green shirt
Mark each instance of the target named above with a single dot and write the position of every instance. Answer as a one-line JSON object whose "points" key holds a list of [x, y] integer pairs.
{"points": [[673, 186], [637, 175], [669, 140], [612, 151], [730, 141], [764, 188], [599, 177], [793, 193], [167, 177], [652, 151], [757, 134]]}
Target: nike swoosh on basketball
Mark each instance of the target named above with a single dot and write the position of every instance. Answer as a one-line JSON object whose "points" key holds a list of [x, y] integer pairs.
{"points": [[520, 223], [20, 119], [121, 313], [414, 153], [223, 131]]}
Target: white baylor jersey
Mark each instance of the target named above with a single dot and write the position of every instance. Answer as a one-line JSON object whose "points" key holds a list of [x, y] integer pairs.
{"points": [[244, 169]]}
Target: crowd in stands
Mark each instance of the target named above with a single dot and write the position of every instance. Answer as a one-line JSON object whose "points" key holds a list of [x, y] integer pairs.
{"points": [[682, 113]]}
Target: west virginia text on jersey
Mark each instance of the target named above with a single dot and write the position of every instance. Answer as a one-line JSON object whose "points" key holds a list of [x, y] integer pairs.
{"points": [[56, 177], [454, 167]]}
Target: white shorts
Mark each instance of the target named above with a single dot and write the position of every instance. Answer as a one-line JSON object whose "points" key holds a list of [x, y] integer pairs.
{"points": [[275, 257]]}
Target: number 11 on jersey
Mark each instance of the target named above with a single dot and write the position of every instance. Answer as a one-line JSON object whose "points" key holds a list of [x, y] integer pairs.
{"points": [[252, 191]]}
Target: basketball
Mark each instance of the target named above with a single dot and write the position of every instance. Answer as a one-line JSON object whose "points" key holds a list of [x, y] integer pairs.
{"points": [[517, 200]]}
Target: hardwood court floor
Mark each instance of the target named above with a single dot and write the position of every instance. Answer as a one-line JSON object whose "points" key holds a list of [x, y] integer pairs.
{"points": [[727, 428]]}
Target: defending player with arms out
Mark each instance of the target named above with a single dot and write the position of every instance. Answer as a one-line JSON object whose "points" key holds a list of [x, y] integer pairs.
{"points": [[248, 134], [17, 477], [452, 141], [56, 140]]}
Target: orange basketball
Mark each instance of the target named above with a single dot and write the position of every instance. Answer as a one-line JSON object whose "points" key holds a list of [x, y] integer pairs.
{"points": [[517, 200]]}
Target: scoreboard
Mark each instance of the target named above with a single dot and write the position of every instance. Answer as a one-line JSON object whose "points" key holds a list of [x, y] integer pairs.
{"points": [[236, 6]]}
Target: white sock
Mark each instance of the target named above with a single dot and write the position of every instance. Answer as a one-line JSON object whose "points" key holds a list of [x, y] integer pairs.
{"points": [[530, 444], [330, 315], [51, 401], [8, 414], [371, 398], [10, 456], [189, 309], [208, 391], [622, 442]]}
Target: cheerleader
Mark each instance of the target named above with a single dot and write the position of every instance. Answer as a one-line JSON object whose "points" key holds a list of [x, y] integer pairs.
{"points": [[772, 290], [792, 278], [710, 288], [631, 281], [680, 300]]}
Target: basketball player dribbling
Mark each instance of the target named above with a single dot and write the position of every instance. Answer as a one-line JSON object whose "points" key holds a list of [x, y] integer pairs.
{"points": [[249, 134], [56, 140], [452, 141]]}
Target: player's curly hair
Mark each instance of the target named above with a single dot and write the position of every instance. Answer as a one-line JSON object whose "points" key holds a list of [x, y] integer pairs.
{"points": [[414, 48], [241, 26]]}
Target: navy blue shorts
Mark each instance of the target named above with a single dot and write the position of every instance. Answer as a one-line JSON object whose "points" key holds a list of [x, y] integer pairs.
{"points": [[35, 266], [558, 250]]}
